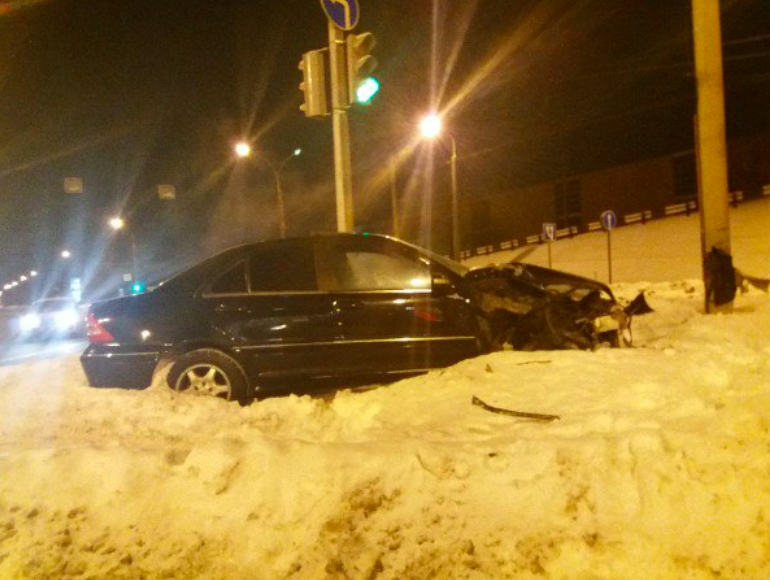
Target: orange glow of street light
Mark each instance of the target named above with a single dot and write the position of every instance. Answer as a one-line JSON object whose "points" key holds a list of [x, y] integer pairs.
{"points": [[117, 223], [242, 149], [431, 126]]}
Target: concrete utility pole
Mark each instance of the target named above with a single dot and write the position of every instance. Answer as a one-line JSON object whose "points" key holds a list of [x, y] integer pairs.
{"points": [[343, 177], [710, 141]]}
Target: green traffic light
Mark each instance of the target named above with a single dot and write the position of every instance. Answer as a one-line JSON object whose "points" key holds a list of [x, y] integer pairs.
{"points": [[367, 89]]}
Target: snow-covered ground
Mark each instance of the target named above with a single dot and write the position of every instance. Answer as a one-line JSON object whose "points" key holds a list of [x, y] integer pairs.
{"points": [[658, 468], [658, 251]]}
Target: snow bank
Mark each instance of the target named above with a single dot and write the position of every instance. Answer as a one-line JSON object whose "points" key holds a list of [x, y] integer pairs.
{"points": [[658, 468]]}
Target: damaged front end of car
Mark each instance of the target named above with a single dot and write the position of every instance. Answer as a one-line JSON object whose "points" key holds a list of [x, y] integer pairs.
{"points": [[527, 307]]}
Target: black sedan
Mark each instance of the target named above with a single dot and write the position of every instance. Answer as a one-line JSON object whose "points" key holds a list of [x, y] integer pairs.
{"points": [[329, 310]]}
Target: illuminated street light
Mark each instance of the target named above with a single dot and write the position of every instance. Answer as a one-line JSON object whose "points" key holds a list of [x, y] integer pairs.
{"points": [[431, 127], [33, 273], [245, 151], [66, 254], [23, 279], [242, 149], [117, 223]]}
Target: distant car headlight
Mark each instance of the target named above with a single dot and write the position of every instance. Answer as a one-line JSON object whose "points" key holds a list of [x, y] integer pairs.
{"points": [[66, 319], [29, 322]]}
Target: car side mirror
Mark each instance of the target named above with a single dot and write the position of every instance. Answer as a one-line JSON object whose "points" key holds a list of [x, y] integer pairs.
{"points": [[441, 286]]}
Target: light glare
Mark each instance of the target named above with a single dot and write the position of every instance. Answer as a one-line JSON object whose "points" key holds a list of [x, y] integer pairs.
{"points": [[242, 149], [430, 126]]}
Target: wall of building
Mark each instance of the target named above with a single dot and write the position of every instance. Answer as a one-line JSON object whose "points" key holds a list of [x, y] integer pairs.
{"points": [[651, 187]]}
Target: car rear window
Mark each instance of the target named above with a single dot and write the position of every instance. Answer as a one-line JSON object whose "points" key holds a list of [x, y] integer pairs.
{"points": [[283, 268]]}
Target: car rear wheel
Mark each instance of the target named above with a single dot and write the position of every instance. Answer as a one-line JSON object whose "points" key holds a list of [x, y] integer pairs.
{"points": [[209, 372]]}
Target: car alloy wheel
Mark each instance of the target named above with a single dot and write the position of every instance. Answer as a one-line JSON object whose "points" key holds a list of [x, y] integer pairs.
{"points": [[209, 372]]}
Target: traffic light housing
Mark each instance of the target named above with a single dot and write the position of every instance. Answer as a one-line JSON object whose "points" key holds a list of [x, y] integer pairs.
{"points": [[313, 85], [361, 64]]}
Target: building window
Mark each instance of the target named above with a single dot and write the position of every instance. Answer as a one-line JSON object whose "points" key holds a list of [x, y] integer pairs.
{"points": [[685, 178], [567, 204]]}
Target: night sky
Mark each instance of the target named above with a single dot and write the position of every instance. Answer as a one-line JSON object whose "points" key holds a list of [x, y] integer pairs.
{"points": [[131, 94]]}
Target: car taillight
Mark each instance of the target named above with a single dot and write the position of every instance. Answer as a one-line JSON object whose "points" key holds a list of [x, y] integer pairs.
{"points": [[96, 332]]}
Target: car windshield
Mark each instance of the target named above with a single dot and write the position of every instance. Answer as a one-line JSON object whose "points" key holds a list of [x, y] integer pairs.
{"points": [[449, 264]]}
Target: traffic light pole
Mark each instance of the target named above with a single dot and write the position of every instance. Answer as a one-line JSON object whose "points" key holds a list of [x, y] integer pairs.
{"points": [[343, 177]]}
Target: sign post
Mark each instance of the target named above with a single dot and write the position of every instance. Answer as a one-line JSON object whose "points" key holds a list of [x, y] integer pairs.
{"points": [[549, 233], [609, 221]]}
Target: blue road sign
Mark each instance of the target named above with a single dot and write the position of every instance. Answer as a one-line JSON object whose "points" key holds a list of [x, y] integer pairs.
{"points": [[609, 219], [549, 231], [343, 13]]}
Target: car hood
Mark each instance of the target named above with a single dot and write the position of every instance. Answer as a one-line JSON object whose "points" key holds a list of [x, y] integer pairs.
{"points": [[539, 281]]}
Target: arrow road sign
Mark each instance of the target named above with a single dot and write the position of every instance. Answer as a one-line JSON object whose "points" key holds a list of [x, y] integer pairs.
{"points": [[609, 219], [343, 13]]}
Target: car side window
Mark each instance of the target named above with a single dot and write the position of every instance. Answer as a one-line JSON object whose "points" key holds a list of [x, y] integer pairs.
{"points": [[283, 268], [361, 271], [233, 281]]}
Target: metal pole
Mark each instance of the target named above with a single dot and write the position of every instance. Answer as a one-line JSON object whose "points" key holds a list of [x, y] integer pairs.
{"points": [[455, 209], [134, 272], [343, 177], [711, 146], [394, 198], [609, 255], [279, 199], [550, 263]]}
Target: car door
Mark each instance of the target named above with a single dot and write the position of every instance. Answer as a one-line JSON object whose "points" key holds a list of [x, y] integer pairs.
{"points": [[269, 307], [389, 316]]}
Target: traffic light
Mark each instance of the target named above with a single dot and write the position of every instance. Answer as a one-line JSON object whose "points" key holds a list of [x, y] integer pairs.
{"points": [[138, 287], [313, 85], [361, 85]]}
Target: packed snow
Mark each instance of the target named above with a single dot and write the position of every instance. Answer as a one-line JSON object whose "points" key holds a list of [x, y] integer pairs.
{"points": [[657, 468]]}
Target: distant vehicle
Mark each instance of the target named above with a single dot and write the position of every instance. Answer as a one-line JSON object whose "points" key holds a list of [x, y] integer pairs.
{"points": [[58, 317], [290, 314]]}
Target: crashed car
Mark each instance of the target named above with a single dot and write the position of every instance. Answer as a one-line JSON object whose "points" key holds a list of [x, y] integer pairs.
{"points": [[321, 311], [527, 307]]}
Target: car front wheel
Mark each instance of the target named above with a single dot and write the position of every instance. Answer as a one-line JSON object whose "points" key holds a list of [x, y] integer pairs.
{"points": [[209, 372]]}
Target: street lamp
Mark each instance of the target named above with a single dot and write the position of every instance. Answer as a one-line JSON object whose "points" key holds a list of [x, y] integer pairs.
{"points": [[243, 150], [66, 254], [118, 223], [431, 127], [279, 188]]}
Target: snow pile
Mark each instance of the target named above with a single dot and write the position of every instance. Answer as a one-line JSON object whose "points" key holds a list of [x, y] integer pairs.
{"points": [[658, 468]]}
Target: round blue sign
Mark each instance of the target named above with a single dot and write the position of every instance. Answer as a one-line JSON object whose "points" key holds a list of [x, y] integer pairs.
{"points": [[343, 13], [609, 219]]}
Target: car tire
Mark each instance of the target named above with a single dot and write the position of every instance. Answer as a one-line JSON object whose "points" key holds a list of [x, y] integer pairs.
{"points": [[209, 372]]}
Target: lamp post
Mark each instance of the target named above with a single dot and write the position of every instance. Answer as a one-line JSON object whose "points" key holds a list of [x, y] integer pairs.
{"points": [[431, 127], [243, 151], [279, 188], [117, 223]]}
